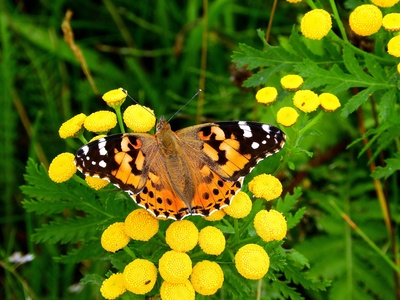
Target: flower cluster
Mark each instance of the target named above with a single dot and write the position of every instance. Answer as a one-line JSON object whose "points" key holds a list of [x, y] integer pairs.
{"points": [[181, 240], [304, 100]]}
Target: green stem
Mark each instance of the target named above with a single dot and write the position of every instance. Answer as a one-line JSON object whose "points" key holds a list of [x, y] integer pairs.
{"points": [[119, 118], [130, 252], [310, 124]]}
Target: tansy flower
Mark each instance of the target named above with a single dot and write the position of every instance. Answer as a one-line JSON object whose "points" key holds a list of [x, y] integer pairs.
{"points": [[391, 22], [384, 3], [141, 225], [316, 24], [270, 225], [96, 183], [182, 235], [329, 102], [267, 95], [72, 127], [394, 46], [240, 206], [306, 100], [287, 116], [212, 240], [62, 167], [215, 216], [139, 118], [252, 262], [177, 291], [265, 186], [365, 19], [115, 98], [207, 277], [292, 82], [114, 237], [140, 276], [175, 266], [294, 1], [113, 286], [100, 121]]}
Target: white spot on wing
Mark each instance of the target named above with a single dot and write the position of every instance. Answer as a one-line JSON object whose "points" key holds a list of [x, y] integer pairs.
{"points": [[102, 151], [246, 128], [102, 164], [264, 142], [255, 145], [85, 150], [266, 128]]}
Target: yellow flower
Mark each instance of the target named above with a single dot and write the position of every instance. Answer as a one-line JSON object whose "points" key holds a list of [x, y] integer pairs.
{"points": [[398, 68], [207, 277], [292, 82], [391, 22], [177, 291], [182, 235], [384, 3], [175, 266], [97, 137], [252, 262], [141, 225], [62, 167], [72, 127], [212, 240], [113, 286], [215, 216], [270, 225], [329, 102], [365, 20], [240, 206], [267, 95], [316, 24], [265, 186], [114, 237], [96, 183], [294, 1], [139, 118], [140, 276], [394, 46], [306, 100], [287, 116], [115, 98], [100, 121]]}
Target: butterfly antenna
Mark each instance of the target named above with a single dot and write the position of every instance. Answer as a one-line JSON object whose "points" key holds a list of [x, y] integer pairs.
{"points": [[130, 97], [195, 95]]}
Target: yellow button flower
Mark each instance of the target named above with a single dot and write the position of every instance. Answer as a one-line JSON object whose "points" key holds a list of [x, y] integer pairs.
{"points": [[96, 183], [139, 118], [292, 82], [72, 127], [316, 24], [294, 1], [207, 277], [175, 266], [265, 186], [240, 206], [114, 237], [113, 286], [212, 240], [270, 225], [100, 121], [115, 98], [215, 216], [62, 167], [391, 22], [394, 46], [182, 235], [140, 276], [267, 95], [365, 19], [252, 262], [287, 116], [177, 291], [329, 102], [141, 225], [306, 100], [384, 3]]}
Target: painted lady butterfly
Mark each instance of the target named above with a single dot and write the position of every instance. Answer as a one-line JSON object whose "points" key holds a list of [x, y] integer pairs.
{"points": [[193, 171]]}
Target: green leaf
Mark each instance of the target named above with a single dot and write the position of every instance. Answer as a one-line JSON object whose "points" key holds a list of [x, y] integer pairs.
{"points": [[392, 165], [285, 206]]}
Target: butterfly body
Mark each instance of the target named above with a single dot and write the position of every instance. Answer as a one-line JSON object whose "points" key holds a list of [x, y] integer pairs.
{"points": [[193, 171]]}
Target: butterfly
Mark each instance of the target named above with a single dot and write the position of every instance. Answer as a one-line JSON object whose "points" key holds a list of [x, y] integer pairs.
{"points": [[193, 171]]}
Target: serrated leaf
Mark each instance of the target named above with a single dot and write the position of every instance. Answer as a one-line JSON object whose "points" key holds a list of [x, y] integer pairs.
{"points": [[292, 221], [286, 205], [68, 231], [86, 251], [392, 165], [387, 103], [356, 101], [352, 65]]}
